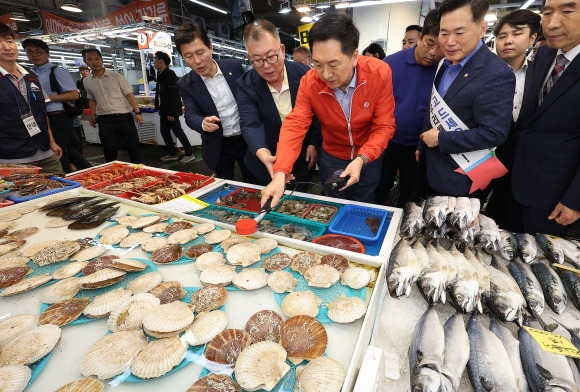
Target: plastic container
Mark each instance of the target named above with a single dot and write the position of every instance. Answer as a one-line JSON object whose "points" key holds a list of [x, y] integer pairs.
{"points": [[6, 171], [351, 221], [313, 229], [251, 204], [102, 174], [339, 241], [312, 202], [70, 185], [223, 214], [309, 214]]}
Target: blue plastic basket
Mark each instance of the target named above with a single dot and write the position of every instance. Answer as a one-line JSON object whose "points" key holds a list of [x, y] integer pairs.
{"points": [[315, 228], [70, 185], [351, 221]]}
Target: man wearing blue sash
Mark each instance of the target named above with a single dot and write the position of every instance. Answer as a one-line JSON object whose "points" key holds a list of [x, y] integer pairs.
{"points": [[471, 105]]}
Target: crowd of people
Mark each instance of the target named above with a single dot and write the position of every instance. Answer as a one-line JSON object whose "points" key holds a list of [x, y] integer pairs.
{"points": [[445, 115]]}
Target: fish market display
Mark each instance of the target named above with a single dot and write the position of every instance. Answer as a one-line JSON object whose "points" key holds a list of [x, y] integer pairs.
{"points": [[456, 353], [552, 250], [552, 286], [426, 353], [404, 269], [512, 346], [529, 286], [413, 222], [504, 299], [571, 282], [527, 247], [508, 245]]}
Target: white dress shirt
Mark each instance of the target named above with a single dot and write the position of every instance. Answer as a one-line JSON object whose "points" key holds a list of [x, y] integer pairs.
{"points": [[520, 84], [224, 101]]}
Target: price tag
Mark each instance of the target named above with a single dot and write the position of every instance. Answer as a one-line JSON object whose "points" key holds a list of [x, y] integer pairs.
{"points": [[184, 204], [30, 124], [565, 267], [553, 343]]}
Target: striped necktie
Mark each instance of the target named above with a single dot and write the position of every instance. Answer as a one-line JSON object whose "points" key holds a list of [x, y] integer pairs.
{"points": [[559, 66]]}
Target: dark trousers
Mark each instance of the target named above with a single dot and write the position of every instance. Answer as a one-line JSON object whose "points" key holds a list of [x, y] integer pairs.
{"points": [[532, 220], [502, 206], [114, 129], [76, 150], [233, 150], [397, 158], [364, 190], [61, 126], [166, 128]]}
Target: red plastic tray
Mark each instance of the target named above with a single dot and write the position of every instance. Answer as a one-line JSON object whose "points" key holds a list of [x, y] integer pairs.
{"points": [[242, 203], [339, 241], [99, 175], [6, 171], [6, 203]]}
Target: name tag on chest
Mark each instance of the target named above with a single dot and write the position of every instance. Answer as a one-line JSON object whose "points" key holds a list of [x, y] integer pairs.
{"points": [[30, 124]]}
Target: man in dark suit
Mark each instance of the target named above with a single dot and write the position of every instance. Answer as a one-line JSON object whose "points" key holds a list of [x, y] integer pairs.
{"points": [[266, 94], [478, 88], [208, 93], [546, 168]]}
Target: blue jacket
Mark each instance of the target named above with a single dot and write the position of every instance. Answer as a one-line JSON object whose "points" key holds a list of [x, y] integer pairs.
{"points": [[198, 105]]}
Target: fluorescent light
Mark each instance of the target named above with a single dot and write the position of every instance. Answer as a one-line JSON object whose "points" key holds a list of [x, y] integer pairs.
{"points": [[490, 17], [284, 10], [303, 8], [210, 6], [323, 6], [19, 16], [306, 19], [527, 4], [536, 11], [365, 3], [71, 6]]}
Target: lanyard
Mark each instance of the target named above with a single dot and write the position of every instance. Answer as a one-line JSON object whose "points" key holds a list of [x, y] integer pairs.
{"points": [[16, 97]]}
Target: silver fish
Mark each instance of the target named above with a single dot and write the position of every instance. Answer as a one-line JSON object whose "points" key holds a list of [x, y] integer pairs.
{"points": [[435, 210], [527, 247], [488, 236], [462, 215], [571, 250], [475, 207], [426, 353], [456, 352], [404, 269], [552, 286], [482, 276], [575, 339], [438, 275], [552, 250], [571, 283], [413, 222], [508, 245], [529, 285], [465, 289]]}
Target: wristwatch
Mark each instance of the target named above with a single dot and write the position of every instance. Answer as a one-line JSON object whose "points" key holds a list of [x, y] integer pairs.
{"points": [[364, 158], [137, 113]]}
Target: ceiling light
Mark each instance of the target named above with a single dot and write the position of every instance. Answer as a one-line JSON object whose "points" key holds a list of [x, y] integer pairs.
{"points": [[365, 3], [527, 4], [303, 8], [284, 9], [19, 16], [536, 11], [71, 6], [210, 6], [322, 6]]}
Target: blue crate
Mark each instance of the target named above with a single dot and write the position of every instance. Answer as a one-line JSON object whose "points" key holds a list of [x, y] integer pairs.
{"points": [[71, 185], [351, 221], [315, 228]]}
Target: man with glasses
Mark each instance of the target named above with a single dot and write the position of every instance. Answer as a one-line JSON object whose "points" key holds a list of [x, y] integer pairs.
{"points": [[413, 73], [266, 95], [208, 93], [302, 55]]}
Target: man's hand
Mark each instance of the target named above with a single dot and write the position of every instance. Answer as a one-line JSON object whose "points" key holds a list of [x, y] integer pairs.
{"points": [[274, 189], [139, 119], [267, 159], [564, 215], [170, 118], [93, 122], [209, 124], [353, 170], [311, 156], [56, 149], [431, 137]]}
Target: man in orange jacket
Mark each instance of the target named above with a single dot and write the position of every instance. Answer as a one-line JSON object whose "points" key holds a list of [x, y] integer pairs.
{"points": [[352, 96]]}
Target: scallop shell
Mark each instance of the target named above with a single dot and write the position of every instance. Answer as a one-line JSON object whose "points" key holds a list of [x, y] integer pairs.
{"points": [[112, 354], [129, 315], [13, 275], [87, 242], [83, 385], [177, 226], [215, 383], [26, 285], [102, 278], [217, 236], [264, 325], [266, 244], [154, 243], [205, 327], [9, 246], [203, 228], [221, 274], [158, 357], [303, 337], [14, 378], [34, 249], [28, 209], [61, 290], [168, 320], [22, 233], [261, 366], [167, 254], [10, 216], [105, 303], [182, 237], [125, 220], [346, 309], [251, 279], [134, 239], [144, 283], [89, 253], [282, 281], [168, 291], [56, 222], [193, 252], [321, 275], [304, 260], [301, 303], [233, 240], [98, 264], [69, 270], [337, 261], [15, 325], [208, 260], [244, 254], [59, 251], [14, 261], [322, 374], [227, 345], [277, 262], [156, 228], [145, 221], [64, 312], [6, 225], [113, 235], [209, 298], [128, 265], [30, 346], [356, 277]]}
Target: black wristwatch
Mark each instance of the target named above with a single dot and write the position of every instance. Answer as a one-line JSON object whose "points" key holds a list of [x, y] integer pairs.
{"points": [[137, 113]]}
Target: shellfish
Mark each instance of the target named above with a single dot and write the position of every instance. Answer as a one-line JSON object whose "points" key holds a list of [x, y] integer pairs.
{"points": [[244, 254], [261, 366], [13, 275], [282, 281], [128, 265], [98, 264], [266, 244], [113, 235], [177, 226], [64, 312], [195, 251], [182, 236], [56, 222], [158, 357], [129, 315], [301, 303], [168, 319], [154, 243], [89, 253], [168, 292], [102, 278], [203, 228], [69, 270], [15, 325], [221, 274], [321, 275], [22, 233], [83, 385], [337, 261], [167, 254], [227, 345], [217, 236], [215, 381], [105, 303], [209, 298], [134, 239], [26, 285], [30, 346], [264, 325], [156, 228], [322, 374], [59, 251], [356, 277], [14, 378], [61, 290], [233, 240], [251, 279], [303, 260], [303, 337], [346, 309], [144, 283], [205, 327], [145, 221], [209, 259], [277, 262]]}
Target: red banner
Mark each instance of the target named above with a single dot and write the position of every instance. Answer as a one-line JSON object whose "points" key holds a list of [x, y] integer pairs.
{"points": [[11, 23], [131, 13]]}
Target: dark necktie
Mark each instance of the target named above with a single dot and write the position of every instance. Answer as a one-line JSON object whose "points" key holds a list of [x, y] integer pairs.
{"points": [[559, 67]]}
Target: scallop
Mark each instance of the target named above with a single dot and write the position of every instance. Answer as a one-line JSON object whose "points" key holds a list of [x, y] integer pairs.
{"points": [[356, 277], [205, 327], [57, 222], [321, 275], [102, 278], [128, 265], [7, 247], [15, 325], [158, 358], [28, 209], [105, 303], [261, 366], [277, 262], [282, 282], [69, 270], [144, 283], [26, 285], [14, 261], [56, 252], [154, 243], [303, 337], [195, 251], [168, 291], [208, 260], [10, 216], [244, 254], [156, 228], [14, 378], [182, 237], [168, 319], [129, 314], [337, 261], [113, 235], [134, 239], [5, 225], [178, 226], [227, 345], [203, 228], [98, 264], [61, 290], [30, 346], [167, 254], [83, 385], [64, 312], [112, 354], [13, 275], [215, 382], [145, 221], [251, 279], [266, 244], [125, 220], [217, 236], [233, 240], [221, 274], [264, 325], [301, 303], [322, 374], [209, 298], [346, 309], [22, 233], [89, 253], [304, 260]]}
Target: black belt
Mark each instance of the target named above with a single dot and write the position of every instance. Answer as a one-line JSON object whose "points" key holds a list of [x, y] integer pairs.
{"points": [[115, 115], [56, 112], [236, 137]]}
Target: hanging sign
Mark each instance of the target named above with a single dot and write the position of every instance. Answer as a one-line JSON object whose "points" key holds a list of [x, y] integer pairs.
{"points": [[152, 41], [303, 34]]}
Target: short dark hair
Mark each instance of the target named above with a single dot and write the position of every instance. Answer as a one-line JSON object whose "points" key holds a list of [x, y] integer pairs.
{"points": [[413, 27], [478, 7], [6, 31], [91, 50], [35, 42], [257, 29], [189, 32], [163, 56], [335, 26], [431, 23], [303, 49], [520, 18], [375, 48]]}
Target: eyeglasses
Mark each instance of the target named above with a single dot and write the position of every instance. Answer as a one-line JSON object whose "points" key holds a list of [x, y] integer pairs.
{"points": [[273, 59], [35, 52], [431, 45]]}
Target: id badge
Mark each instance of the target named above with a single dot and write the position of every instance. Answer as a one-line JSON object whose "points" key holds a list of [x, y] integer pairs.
{"points": [[30, 124]]}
